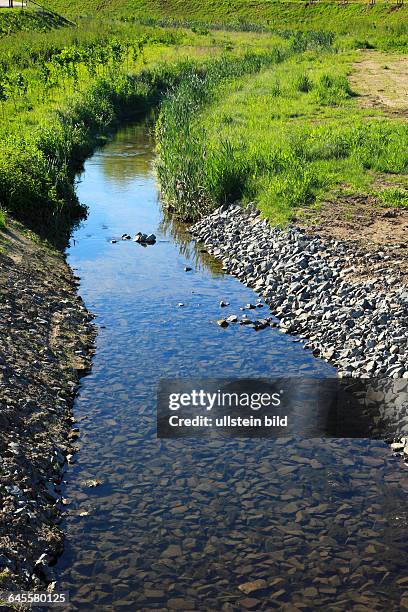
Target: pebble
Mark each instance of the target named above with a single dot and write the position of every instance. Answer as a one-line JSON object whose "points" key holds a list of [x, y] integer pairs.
{"points": [[232, 319], [359, 326], [222, 322], [144, 238]]}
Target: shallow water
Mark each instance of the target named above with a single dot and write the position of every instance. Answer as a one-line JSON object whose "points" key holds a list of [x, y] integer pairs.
{"points": [[180, 524]]}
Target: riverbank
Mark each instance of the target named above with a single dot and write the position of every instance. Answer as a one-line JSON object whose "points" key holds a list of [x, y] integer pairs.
{"points": [[46, 344], [349, 304]]}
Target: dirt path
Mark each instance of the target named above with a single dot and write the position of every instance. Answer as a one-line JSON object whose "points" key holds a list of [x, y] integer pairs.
{"points": [[382, 82]]}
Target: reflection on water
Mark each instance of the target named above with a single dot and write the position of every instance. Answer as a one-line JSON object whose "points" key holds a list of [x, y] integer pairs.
{"points": [[182, 524]]}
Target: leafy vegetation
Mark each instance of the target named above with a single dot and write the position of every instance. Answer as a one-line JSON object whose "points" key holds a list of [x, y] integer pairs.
{"points": [[288, 138], [259, 110]]}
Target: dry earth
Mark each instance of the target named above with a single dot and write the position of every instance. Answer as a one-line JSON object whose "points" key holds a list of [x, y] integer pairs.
{"points": [[382, 82]]}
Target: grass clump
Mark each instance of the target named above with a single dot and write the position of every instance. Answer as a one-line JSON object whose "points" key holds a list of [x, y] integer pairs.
{"points": [[333, 90], [193, 178]]}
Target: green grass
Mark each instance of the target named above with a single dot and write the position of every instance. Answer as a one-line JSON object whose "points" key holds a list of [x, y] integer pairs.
{"points": [[28, 21], [271, 117], [2, 220], [287, 138], [383, 25], [61, 91]]}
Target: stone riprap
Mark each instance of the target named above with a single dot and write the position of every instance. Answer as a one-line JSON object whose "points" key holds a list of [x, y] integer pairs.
{"points": [[359, 325]]}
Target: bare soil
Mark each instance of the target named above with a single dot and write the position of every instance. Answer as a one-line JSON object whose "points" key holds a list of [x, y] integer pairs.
{"points": [[46, 343], [382, 82], [371, 228]]}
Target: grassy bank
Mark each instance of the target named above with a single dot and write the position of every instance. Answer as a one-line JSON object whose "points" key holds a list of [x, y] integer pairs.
{"points": [[58, 94], [288, 138], [272, 118], [28, 21], [384, 25]]}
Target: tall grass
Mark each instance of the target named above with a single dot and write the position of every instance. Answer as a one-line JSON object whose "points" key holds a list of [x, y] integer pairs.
{"points": [[192, 182], [287, 138], [2, 220], [37, 169]]}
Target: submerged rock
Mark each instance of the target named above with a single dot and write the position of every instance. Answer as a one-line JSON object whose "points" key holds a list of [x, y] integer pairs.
{"points": [[222, 322]]}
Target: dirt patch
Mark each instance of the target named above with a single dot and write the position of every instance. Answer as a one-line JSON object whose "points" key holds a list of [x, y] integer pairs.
{"points": [[382, 82], [46, 343], [371, 228]]}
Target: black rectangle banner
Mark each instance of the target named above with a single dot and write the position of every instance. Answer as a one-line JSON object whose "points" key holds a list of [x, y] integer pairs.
{"points": [[276, 407]]}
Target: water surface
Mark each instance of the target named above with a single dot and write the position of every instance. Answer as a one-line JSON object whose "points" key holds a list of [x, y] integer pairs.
{"points": [[180, 524]]}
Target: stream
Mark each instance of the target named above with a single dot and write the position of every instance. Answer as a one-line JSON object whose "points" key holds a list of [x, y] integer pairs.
{"points": [[180, 524]]}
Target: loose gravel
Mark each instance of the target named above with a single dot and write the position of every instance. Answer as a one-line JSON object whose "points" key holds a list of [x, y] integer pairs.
{"points": [[359, 325], [46, 343]]}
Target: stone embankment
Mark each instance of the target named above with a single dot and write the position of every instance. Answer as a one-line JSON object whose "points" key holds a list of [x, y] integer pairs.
{"points": [[360, 325], [46, 343]]}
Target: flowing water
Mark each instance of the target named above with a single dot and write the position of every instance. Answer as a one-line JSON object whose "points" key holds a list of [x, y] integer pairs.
{"points": [[180, 524]]}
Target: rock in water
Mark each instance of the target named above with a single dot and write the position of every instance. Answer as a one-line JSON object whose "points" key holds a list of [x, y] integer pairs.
{"points": [[222, 323], [252, 587]]}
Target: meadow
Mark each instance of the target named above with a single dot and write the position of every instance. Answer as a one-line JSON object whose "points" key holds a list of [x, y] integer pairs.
{"points": [[246, 112], [288, 138], [381, 25]]}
